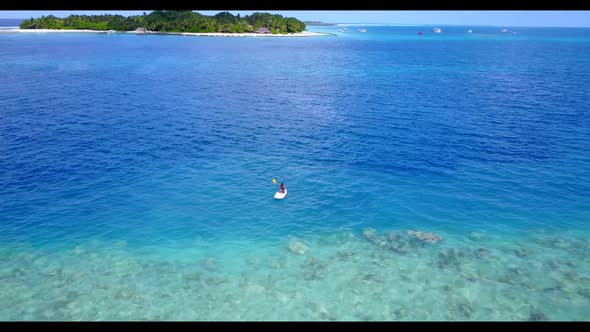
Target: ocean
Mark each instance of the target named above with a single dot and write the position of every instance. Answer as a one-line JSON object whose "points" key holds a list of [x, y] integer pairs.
{"points": [[136, 175]]}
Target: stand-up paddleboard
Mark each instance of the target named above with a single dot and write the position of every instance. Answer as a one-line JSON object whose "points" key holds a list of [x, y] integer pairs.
{"points": [[280, 195]]}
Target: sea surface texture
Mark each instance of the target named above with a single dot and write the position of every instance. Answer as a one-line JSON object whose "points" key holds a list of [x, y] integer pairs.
{"points": [[430, 177]]}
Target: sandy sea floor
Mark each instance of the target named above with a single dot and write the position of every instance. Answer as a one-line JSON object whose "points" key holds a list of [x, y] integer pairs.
{"points": [[346, 276]]}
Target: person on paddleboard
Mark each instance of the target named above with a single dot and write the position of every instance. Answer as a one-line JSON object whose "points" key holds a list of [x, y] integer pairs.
{"points": [[282, 188]]}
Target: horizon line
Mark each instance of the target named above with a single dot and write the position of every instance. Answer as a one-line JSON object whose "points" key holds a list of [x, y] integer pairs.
{"points": [[465, 25], [413, 24]]}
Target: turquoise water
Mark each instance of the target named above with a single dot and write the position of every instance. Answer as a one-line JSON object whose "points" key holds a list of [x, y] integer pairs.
{"points": [[136, 174]]}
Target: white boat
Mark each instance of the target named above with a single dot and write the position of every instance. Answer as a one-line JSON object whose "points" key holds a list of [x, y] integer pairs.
{"points": [[504, 30], [469, 31], [340, 30], [436, 30], [280, 195], [111, 31], [362, 30]]}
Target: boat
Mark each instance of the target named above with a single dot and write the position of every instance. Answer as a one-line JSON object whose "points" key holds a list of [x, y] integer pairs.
{"points": [[340, 30], [362, 30], [111, 31], [469, 31], [504, 30], [436, 30], [280, 195]]}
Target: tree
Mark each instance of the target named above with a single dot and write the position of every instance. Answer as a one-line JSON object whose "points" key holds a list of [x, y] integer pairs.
{"points": [[170, 20]]}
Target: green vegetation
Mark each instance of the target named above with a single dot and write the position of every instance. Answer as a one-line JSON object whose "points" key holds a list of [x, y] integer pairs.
{"points": [[170, 21]]}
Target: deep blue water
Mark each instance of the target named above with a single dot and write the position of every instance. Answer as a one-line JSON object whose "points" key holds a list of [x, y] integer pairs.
{"points": [[158, 140], [103, 133]]}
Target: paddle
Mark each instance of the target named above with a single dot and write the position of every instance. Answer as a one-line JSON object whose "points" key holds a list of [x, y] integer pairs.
{"points": [[275, 182]]}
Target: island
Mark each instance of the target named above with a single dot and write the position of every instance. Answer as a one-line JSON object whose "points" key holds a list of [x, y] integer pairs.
{"points": [[179, 22]]}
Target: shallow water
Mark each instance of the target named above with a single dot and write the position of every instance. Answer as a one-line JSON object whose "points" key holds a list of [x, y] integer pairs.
{"points": [[136, 176], [342, 276]]}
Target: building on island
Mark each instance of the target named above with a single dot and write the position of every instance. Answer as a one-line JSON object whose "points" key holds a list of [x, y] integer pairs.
{"points": [[262, 30]]}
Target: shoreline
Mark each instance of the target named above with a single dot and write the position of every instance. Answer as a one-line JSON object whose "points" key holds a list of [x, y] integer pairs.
{"points": [[198, 34]]}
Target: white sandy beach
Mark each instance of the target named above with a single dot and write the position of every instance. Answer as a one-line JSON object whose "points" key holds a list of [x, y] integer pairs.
{"points": [[220, 34], [205, 34]]}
